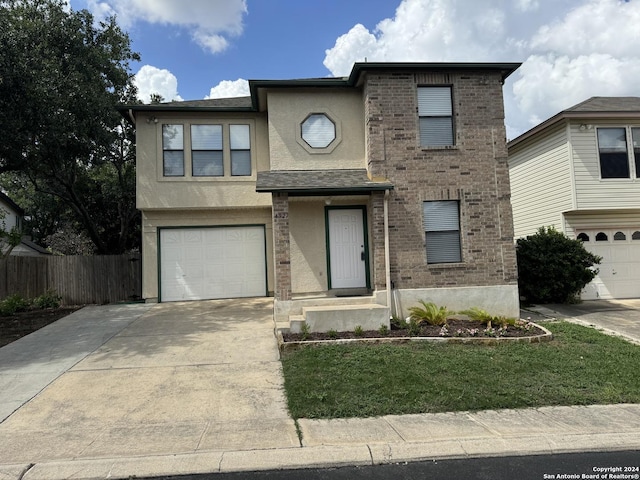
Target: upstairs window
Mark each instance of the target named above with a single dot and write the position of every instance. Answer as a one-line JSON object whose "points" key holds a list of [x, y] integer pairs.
{"points": [[240, 142], [173, 150], [441, 222], [206, 151], [612, 148], [435, 116], [318, 130], [635, 138]]}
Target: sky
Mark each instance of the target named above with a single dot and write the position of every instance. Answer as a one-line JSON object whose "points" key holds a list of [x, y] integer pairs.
{"points": [[570, 50]]}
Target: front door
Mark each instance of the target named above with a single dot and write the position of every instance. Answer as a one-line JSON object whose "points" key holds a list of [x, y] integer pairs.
{"points": [[347, 252]]}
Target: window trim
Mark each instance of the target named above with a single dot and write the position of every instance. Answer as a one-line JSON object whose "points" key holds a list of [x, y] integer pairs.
{"points": [[633, 153], [332, 145], [187, 149], [450, 116], [232, 150]]}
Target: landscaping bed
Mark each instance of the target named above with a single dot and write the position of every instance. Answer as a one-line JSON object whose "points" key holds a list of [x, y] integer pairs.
{"points": [[19, 324]]}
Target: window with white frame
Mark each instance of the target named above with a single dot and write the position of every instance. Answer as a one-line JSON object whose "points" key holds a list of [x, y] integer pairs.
{"points": [[441, 222], [173, 150], [435, 114], [318, 130], [206, 151], [612, 149]]}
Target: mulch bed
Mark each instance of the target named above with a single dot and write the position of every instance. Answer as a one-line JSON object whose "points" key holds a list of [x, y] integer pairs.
{"points": [[455, 328], [23, 323]]}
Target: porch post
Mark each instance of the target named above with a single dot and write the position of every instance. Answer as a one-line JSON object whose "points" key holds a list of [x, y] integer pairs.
{"points": [[281, 246]]}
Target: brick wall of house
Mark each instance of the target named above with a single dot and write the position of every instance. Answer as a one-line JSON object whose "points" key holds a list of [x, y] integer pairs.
{"points": [[281, 246], [474, 171]]}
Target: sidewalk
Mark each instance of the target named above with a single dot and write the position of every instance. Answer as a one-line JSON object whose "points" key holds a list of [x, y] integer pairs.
{"points": [[122, 391], [390, 439]]}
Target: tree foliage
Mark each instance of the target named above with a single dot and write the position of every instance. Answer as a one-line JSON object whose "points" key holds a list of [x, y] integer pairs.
{"points": [[552, 268], [61, 76]]}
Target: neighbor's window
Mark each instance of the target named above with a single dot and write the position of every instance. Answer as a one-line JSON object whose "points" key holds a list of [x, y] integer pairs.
{"points": [[436, 116], [441, 221], [612, 147], [240, 142], [635, 138], [173, 150], [206, 151], [318, 130]]}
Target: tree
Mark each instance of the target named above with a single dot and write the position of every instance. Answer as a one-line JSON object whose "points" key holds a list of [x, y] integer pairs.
{"points": [[61, 76], [553, 268]]}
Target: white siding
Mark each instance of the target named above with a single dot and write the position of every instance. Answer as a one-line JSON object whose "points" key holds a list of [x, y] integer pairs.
{"points": [[591, 191], [541, 186], [605, 219]]}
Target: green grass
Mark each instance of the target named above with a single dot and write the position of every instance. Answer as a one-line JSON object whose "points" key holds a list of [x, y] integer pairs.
{"points": [[580, 366]]}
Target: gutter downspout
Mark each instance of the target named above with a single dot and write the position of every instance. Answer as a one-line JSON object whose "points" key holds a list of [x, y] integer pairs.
{"points": [[387, 262], [133, 119]]}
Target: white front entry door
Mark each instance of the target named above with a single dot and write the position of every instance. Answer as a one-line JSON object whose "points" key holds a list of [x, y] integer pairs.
{"points": [[346, 248]]}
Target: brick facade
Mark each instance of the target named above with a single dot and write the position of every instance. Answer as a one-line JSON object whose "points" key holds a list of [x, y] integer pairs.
{"points": [[281, 246], [474, 171]]}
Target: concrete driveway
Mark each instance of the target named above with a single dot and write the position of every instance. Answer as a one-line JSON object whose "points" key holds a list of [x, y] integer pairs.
{"points": [[620, 317], [166, 379]]}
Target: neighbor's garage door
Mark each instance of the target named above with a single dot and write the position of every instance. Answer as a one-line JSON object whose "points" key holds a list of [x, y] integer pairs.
{"points": [[213, 262], [619, 275]]}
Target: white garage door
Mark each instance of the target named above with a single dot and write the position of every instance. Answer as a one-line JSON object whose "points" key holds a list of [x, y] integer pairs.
{"points": [[214, 262], [619, 275]]}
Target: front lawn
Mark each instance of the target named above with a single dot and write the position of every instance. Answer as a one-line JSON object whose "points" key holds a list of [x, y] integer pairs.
{"points": [[580, 366]]}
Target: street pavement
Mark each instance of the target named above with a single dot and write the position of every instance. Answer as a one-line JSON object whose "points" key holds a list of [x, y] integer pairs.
{"points": [[183, 388]]}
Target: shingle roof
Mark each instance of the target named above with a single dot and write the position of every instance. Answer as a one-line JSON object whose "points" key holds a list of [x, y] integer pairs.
{"points": [[235, 102], [607, 104], [594, 108], [319, 181]]}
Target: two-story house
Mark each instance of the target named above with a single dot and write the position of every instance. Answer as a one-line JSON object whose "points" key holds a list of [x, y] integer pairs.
{"points": [[579, 171], [11, 216], [327, 192]]}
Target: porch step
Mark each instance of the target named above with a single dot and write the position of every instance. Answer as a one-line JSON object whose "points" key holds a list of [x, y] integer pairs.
{"points": [[341, 318]]}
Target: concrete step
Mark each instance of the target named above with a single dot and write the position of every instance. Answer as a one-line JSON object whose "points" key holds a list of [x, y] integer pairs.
{"points": [[295, 323], [344, 318]]}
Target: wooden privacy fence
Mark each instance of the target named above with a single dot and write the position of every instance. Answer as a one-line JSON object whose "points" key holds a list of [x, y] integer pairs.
{"points": [[79, 280]]}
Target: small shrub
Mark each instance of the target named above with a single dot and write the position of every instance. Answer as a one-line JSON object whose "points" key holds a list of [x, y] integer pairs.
{"points": [[429, 313], [414, 328], [358, 331], [398, 323], [553, 268], [304, 331], [332, 334], [13, 304], [487, 319], [49, 299], [383, 330]]}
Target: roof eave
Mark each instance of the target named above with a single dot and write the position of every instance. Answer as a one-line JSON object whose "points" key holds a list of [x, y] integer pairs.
{"points": [[324, 191], [570, 115]]}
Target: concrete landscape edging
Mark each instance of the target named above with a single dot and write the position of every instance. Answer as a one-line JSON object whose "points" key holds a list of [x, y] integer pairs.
{"points": [[547, 336]]}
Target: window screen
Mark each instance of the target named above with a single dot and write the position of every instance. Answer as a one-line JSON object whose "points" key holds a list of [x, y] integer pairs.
{"points": [[441, 222], [612, 147], [436, 116]]}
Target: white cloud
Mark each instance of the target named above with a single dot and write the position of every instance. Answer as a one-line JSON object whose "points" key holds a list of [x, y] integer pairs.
{"points": [[572, 50], [150, 80], [209, 21], [230, 89]]}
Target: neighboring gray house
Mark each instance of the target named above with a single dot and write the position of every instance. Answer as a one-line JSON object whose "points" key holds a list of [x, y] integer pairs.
{"points": [[580, 172], [322, 192]]}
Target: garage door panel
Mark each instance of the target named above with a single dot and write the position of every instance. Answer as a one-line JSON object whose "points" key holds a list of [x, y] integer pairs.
{"points": [[619, 270], [213, 262]]}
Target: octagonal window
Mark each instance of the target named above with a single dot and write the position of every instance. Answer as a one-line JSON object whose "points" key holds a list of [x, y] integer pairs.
{"points": [[318, 130]]}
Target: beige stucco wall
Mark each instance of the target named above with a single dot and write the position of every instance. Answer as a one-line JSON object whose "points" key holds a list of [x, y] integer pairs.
{"points": [[151, 220], [154, 191], [289, 108], [307, 233]]}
